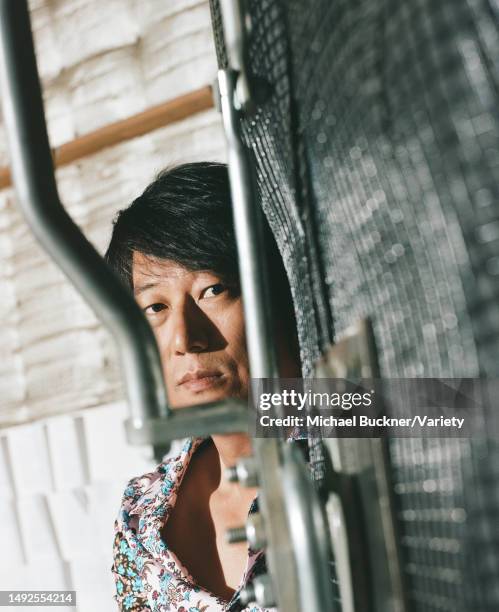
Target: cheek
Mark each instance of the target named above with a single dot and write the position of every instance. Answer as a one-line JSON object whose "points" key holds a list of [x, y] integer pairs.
{"points": [[231, 325], [161, 341], [237, 352], [234, 331]]}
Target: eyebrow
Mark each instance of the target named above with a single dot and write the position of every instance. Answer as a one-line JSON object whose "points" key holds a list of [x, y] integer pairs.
{"points": [[137, 290], [141, 288]]}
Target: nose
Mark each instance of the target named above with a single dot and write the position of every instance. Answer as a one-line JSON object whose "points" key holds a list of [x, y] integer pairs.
{"points": [[189, 330]]}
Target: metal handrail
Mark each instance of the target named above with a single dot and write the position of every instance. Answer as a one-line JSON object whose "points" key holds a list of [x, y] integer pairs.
{"points": [[33, 172], [34, 180], [152, 420]]}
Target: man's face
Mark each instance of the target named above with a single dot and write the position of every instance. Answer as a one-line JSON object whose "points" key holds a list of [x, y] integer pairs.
{"points": [[198, 322]]}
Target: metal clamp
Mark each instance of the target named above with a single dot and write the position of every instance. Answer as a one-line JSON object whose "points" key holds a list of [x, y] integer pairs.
{"points": [[249, 90]]}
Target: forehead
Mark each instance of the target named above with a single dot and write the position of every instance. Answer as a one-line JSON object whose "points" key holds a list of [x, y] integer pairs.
{"points": [[146, 266], [149, 272]]}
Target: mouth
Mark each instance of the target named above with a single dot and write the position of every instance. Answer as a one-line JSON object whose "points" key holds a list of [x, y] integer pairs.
{"points": [[200, 380]]}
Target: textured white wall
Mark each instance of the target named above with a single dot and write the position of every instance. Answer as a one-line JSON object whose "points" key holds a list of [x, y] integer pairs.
{"points": [[61, 479], [63, 456], [99, 62]]}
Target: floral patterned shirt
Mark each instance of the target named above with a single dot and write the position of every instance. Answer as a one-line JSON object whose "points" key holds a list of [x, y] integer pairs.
{"points": [[148, 575]]}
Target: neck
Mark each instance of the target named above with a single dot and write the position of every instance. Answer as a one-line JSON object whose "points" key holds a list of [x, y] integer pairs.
{"points": [[231, 447], [224, 451]]}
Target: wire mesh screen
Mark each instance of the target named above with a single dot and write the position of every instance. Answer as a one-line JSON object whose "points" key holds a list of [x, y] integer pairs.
{"points": [[377, 159]]}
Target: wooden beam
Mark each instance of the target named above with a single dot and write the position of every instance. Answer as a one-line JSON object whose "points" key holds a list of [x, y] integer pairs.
{"points": [[126, 129]]}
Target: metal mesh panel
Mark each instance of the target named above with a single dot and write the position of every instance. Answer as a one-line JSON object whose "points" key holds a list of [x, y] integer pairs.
{"points": [[270, 135], [377, 159]]}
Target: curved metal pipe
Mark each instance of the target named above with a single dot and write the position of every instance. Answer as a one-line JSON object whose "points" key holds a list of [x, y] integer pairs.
{"points": [[36, 188], [309, 533]]}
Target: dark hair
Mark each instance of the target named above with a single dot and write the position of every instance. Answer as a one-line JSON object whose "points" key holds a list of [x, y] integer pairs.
{"points": [[184, 216]]}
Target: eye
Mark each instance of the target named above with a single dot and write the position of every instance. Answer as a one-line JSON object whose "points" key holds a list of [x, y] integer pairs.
{"points": [[214, 290], [154, 308]]}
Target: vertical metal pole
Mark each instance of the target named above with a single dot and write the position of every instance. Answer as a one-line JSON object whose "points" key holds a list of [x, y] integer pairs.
{"points": [[247, 221], [297, 533]]}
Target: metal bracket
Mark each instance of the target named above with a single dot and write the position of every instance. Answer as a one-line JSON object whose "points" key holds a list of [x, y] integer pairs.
{"points": [[360, 508]]}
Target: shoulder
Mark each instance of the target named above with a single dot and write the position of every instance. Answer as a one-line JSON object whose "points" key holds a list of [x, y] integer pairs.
{"points": [[142, 491]]}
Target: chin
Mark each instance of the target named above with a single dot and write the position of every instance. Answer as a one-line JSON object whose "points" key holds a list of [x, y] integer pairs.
{"points": [[205, 396], [201, 397]]}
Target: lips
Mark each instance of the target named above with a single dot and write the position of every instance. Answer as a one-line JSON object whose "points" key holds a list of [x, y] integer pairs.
{"points": [[199, 380]]}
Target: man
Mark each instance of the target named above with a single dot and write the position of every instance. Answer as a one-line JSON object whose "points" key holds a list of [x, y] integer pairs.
{"points": [[174, 247]]}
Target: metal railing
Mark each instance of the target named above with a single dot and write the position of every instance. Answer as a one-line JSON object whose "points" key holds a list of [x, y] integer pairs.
{"points": [[36, 188], [295, 530]]}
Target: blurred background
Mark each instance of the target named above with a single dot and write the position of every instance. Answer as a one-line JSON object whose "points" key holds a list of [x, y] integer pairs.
{"points": [[64, 458]]}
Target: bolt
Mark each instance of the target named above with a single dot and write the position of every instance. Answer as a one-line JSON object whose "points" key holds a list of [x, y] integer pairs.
{"points": [[243, 472], [264, 591], [231, 474], [235, 535], [255, 533], [247, 594]]}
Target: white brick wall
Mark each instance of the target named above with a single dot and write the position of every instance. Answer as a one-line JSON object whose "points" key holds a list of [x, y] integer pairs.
{"points": [[64, 460], [61, 481], [99, 62]]}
